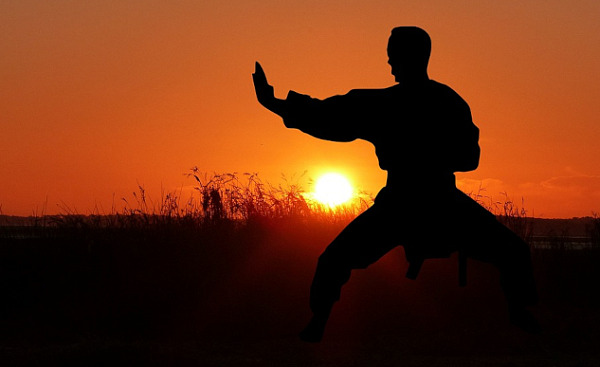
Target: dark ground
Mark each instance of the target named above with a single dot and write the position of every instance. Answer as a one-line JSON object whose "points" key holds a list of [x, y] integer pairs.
{"points": [[241, 299]]}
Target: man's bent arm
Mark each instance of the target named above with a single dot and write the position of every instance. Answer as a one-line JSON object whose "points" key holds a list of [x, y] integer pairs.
{"points": [[334, 118]]}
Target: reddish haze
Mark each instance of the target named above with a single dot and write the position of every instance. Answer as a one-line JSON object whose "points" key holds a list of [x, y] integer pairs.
{"points": [[99, 96]]}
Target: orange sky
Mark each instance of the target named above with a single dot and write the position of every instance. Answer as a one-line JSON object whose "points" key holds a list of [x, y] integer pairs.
{"points": [[98, 96]]}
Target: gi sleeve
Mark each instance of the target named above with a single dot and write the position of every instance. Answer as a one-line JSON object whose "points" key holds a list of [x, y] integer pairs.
{"points": [[335, 118]]}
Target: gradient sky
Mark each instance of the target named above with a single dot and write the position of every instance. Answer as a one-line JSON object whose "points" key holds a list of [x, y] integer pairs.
{"points": [[97, 97]]}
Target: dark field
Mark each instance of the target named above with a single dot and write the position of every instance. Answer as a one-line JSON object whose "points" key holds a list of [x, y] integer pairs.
{"points": [[237, 295]]}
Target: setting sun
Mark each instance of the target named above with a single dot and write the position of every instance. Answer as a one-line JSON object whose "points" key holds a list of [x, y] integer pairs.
{"points": [[333, 189]]}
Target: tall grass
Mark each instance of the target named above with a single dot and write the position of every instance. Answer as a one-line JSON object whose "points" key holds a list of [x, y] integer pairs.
{"points": [[244, 198], [152, 264], [507, 212], [214, 199]]}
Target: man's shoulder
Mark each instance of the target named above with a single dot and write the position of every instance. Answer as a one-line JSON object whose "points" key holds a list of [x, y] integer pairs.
{"points": [[441, 87], [446, 92]]}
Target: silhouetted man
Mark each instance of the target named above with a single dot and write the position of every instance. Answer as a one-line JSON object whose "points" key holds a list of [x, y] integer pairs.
{"points": [[422, 132]]}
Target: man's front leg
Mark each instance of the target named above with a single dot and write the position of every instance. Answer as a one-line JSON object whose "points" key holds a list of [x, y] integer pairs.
{"points": [[313, 332], [331, 274]]}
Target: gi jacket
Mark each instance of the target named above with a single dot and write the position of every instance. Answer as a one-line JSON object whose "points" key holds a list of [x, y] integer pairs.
{"points": [[422, 133]]}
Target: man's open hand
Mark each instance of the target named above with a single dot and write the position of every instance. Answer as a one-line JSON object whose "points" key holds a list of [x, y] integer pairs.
{"points": [[264, 92]]}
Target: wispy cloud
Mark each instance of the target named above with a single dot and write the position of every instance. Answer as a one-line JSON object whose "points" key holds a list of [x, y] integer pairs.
{"points": [[583, 189], [572, 195]]}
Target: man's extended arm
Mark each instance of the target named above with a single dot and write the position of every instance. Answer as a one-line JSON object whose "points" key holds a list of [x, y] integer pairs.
{"points": [[334, 118]]}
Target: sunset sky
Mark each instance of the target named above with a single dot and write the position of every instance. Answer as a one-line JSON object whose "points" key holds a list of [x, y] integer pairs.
{"points": [[97, 97]]}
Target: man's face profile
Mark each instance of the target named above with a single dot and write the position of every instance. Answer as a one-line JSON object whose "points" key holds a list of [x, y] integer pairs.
{"points": [[408, 52], [395, 64]]}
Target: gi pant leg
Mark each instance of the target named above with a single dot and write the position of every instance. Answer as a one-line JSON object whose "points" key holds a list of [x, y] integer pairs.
{"points": [[482, 237], [364, 241]]}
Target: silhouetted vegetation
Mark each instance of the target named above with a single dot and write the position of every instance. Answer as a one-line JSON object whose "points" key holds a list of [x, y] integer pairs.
{"points": [[151, 264], [234, 261]]}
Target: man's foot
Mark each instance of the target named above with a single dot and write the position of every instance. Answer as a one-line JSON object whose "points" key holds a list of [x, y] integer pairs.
{"points": [[523, 319], [313, 332]]}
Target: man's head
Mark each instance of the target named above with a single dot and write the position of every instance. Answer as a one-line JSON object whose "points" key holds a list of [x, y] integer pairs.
{"points": [[408, 51]]}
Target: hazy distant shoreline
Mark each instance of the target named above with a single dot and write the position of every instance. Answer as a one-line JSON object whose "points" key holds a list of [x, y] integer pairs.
{"points": [[577, 227]]}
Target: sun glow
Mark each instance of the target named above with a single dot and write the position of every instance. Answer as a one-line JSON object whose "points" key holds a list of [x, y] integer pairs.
{"points": [[333, 189]]}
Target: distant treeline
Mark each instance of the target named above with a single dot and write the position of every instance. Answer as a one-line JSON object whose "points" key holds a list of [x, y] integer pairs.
{"points": [[580, 227]]}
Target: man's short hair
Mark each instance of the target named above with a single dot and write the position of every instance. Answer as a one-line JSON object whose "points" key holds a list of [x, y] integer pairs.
{"points": [[410, 44]]}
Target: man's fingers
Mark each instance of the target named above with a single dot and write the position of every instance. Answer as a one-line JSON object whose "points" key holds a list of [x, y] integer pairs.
{"points": [[258, 69], [259, 74]]}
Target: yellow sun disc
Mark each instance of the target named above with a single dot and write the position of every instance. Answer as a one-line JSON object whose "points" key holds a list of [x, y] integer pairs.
{"points": [[333, 189]]}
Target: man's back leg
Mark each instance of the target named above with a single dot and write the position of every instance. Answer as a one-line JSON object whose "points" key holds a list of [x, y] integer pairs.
{"points": [[494, 243]]}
